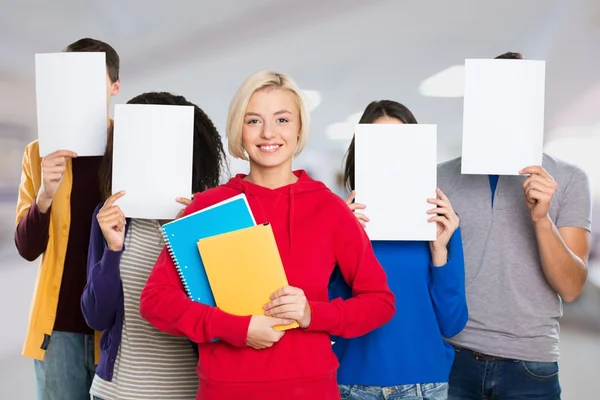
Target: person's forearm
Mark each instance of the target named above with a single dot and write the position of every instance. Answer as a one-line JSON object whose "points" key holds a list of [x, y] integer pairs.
{"points": [[439, 256], [31, 233], [43, 203], [102, 294], [563, 269]]}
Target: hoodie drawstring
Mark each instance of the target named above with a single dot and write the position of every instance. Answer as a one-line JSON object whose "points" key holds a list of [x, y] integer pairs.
{"points": [[291, 214]]}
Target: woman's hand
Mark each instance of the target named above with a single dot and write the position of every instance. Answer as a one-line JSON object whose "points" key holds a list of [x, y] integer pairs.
{"points": [[362, 218], [447, 221], [186, 202], [261, 333], [112, 222], [289, 303]]}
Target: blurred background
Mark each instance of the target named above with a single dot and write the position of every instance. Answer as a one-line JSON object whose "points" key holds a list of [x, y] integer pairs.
{"points": [[344, 54]]}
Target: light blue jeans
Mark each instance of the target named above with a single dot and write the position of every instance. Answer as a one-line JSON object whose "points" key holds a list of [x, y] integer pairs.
{"points": [[426, 391], [68, 367]]}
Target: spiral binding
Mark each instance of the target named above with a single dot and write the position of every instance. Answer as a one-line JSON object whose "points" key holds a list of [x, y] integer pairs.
{"points": [[177, 266]]}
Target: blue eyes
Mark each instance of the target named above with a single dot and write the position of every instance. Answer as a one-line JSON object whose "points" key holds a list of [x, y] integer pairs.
{"points": [[278, 120]]}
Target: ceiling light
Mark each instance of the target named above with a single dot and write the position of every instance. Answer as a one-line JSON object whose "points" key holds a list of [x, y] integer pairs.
{"points": [[340, 131], [354, 118], [313, 98], [447, 83], [343, 130]]}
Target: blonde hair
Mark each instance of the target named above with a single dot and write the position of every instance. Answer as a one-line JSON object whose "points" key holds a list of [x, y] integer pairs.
{"points": [[263, 80]]}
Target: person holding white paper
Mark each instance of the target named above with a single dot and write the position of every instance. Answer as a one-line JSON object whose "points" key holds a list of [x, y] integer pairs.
{"points": [[137, 360], [268, 124], [57, 196], [408, 355], [527, 241]]}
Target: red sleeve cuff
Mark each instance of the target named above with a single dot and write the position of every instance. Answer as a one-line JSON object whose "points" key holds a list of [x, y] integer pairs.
{"points": [[231, 328], [325, 316]]}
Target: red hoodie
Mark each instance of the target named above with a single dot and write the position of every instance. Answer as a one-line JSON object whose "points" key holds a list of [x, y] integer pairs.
{"points": [[315, 231]]}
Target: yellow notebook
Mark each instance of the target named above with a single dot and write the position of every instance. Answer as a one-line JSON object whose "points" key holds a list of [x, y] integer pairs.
{"points": [[244, 268]]}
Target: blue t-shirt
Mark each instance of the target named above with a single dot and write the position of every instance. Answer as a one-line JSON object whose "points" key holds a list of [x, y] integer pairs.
{"points": [[430, 303]]}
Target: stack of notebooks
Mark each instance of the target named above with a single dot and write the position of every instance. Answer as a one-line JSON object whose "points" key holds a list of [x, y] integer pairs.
{"points": [[225, 259]]}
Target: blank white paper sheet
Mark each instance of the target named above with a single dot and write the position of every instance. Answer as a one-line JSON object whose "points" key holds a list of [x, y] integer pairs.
{"points": [[395, 173], [71, 102], [503, 116], [152, 158]]}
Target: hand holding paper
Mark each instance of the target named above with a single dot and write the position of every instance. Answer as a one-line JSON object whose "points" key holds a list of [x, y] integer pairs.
{"points": [[539, 189], [289, 302], [362, 218], [446, 221], [186, 202], [112, 222], [54, 166]]}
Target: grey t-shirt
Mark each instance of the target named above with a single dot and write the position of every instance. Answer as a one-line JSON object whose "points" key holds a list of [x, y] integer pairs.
{"points": [[513, 311]]}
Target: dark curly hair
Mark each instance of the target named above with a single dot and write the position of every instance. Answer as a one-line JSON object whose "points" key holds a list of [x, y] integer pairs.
{"points": [[374, 111], [209, 160]]}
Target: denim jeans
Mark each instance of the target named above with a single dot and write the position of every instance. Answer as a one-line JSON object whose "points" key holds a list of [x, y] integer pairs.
{"points": [[472, 379], [68, 367], [426, 391]]}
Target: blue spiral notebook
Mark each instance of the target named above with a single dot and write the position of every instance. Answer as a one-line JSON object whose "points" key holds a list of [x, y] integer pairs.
{"points": [[181, 237]]}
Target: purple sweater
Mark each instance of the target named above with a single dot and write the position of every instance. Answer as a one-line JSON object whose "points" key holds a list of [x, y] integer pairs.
{"points": [[102, 300]]}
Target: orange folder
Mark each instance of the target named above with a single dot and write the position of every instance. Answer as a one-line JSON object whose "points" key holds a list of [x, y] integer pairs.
{"points": [[244, 268]]}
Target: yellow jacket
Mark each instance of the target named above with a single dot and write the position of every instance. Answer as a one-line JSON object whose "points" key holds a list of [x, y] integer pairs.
{"points": [[42, 311]]}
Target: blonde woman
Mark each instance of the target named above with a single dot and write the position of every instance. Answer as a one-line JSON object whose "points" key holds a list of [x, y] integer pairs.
{"points": [[268, 124]]}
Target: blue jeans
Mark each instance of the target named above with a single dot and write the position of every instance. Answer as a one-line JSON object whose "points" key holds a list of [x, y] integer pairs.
{"points": [[68, 367], [473, 379], [426, 391]]}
